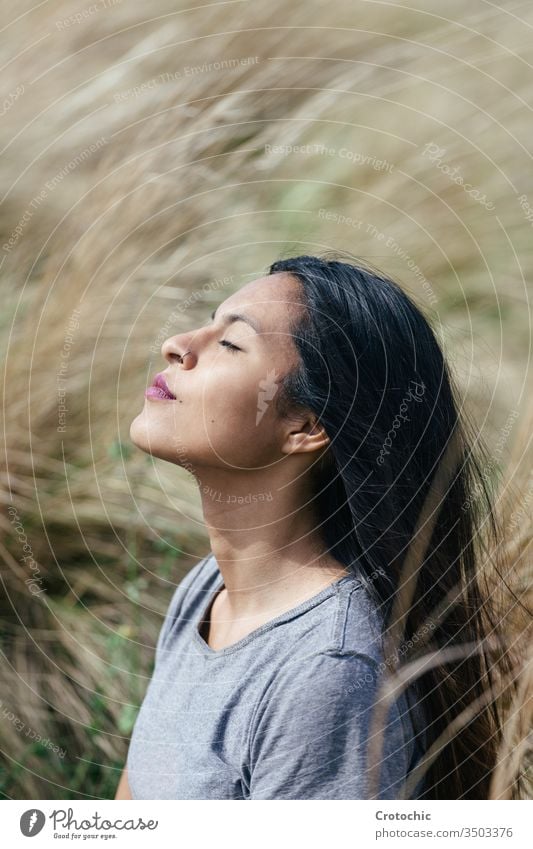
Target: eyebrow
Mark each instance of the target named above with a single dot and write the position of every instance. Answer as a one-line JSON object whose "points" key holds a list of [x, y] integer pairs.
{"points": [[229, 318]]}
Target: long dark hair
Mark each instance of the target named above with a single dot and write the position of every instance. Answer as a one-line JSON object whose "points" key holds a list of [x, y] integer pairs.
{"points": [[372, 371]]}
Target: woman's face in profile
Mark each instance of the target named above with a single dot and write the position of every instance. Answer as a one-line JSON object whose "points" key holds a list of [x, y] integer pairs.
{"points": [[223, 414]]}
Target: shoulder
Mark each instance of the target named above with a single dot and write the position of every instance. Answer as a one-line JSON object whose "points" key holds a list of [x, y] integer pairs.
{"points": [[339, 664], [320, 682], [312, 725], [188, 594], [347, 624]]}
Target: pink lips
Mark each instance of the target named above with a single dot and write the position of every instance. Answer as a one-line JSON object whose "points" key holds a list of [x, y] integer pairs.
{"points": [[159, 389]]}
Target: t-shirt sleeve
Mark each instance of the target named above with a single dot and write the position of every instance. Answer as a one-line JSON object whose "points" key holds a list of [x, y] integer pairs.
{"points": [[309, 732]]}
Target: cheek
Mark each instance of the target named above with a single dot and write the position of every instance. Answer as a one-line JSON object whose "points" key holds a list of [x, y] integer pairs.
{"points": [[229, 401], [237, 423]]}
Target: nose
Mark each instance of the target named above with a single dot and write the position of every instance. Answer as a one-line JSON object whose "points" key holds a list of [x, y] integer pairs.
{"points": [[174, 350]]}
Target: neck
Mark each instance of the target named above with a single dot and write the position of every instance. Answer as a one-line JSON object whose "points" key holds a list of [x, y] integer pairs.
{"points": [[263, 534]]}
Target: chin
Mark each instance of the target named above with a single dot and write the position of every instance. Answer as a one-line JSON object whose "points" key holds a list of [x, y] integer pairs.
{"points": [[140, 435], [150, 439]]}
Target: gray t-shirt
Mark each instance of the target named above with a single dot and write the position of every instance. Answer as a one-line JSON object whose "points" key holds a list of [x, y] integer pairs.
{"points": [[283, 713]]}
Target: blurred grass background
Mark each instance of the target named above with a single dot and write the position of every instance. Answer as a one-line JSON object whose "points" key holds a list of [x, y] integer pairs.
{"points": [[140, 186]]}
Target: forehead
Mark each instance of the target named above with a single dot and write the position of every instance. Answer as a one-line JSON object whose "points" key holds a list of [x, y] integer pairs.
{"points": [[272, 300]]}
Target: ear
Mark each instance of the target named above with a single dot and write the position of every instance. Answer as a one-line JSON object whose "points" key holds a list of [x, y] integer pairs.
{"points": [[304, 434]]}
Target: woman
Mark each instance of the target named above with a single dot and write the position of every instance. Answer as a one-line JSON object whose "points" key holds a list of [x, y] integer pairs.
{"points": [[317, 415]]}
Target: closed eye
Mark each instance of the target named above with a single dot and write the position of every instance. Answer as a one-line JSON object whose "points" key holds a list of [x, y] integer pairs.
{"points": [[229, 345]]}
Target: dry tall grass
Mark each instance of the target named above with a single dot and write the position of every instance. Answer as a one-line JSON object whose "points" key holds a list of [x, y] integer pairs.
{"points": [[137, 193]]}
